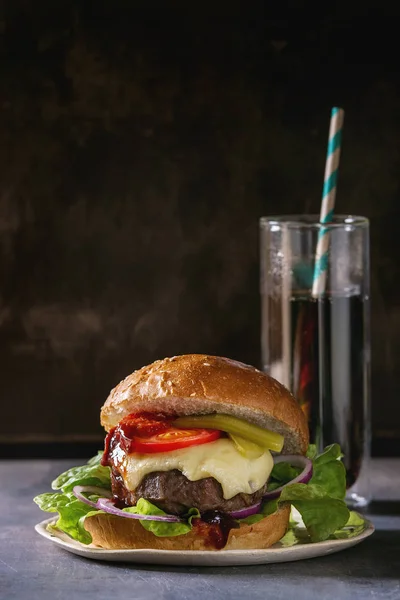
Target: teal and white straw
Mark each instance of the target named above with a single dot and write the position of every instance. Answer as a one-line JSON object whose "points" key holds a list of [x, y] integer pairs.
{"points": [[328, 200]]}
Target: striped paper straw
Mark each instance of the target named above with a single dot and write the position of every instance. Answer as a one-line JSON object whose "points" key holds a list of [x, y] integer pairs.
{"points": [[328, 200]]}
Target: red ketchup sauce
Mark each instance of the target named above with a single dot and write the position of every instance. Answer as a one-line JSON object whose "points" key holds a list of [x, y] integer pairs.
{"points": [[142, 425], [214, 527]]}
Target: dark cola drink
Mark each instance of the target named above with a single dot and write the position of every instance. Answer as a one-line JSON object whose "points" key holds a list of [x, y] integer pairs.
{"points": [[326, 366], [330, 372], [317, 343]]}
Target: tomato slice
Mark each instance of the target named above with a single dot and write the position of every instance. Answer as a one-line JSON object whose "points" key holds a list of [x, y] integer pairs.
{"points": [[173, 439], [147, 432]]}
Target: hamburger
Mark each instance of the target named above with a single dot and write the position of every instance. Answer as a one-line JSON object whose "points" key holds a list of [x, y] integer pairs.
{"points": [[201, 453]]}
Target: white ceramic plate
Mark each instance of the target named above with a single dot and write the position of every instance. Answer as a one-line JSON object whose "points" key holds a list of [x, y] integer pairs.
{"points": [[221, 558]]}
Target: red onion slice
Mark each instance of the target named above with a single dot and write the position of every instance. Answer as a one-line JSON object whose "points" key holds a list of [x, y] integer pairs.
{"points": [[296, 461], [245, 512], [108, 506], [79, 490]]}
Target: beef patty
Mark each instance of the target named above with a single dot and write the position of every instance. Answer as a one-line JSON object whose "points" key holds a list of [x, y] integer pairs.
{"points": [[173, 492]]}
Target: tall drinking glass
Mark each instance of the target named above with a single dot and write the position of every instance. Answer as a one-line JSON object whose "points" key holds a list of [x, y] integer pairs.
{"points": [[319, 347]]}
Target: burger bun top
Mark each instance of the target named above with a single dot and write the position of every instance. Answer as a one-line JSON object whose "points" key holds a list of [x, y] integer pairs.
{"points": [[195, 384]]}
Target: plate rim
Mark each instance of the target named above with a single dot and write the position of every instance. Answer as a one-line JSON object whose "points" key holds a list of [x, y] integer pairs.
{"points": [[63, 540]]}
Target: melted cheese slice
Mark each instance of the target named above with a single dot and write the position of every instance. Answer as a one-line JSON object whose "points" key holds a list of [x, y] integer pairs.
{"points": [[220, 459]]}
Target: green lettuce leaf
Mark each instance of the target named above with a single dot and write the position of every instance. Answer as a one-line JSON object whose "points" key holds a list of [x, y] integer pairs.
{"points": [[92, 473], [51, 502], [267, 509], [72, 512], [321, 501], [297, 534], [281, 474], [293, 537], [331, 478], [354, 526], [355, 520], [160, 528], [321, 513], [332, 452], [311, 451], [71, 519], [329, 472]]}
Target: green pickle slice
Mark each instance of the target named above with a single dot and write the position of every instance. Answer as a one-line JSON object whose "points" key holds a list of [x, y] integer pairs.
{"points": [[268, 440], [245, 447]]}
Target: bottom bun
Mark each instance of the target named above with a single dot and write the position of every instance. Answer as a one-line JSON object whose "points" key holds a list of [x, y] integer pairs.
{"points": [[112, 532]]}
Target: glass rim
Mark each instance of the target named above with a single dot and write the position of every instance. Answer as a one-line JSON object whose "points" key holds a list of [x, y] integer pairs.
{"points": [[311, 221]]}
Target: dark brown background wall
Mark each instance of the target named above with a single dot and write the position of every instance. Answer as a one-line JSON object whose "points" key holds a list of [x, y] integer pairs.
{"points": [[138, 148]]}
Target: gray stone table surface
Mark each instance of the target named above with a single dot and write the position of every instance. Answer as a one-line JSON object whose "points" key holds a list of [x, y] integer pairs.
{"points": [[33, 568]]}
